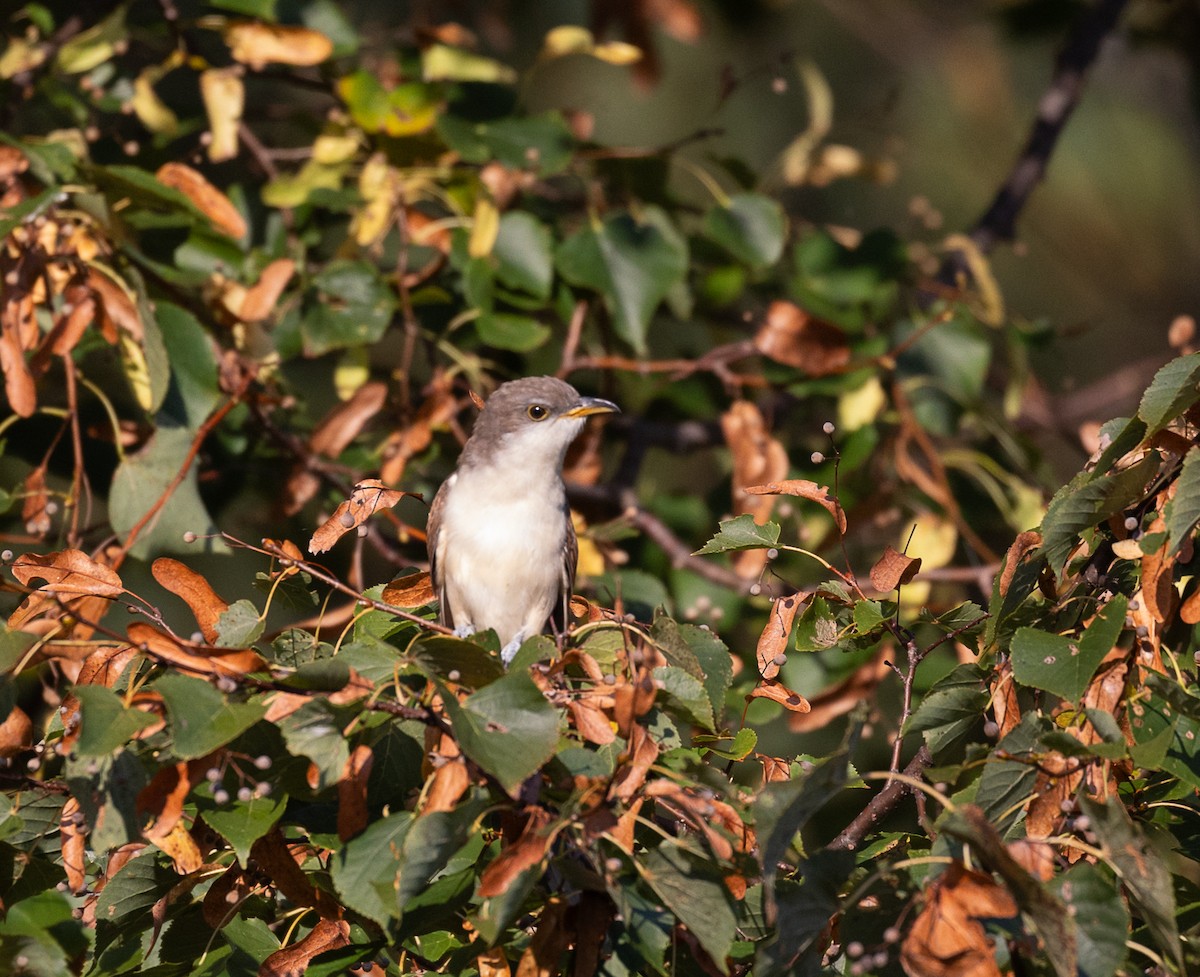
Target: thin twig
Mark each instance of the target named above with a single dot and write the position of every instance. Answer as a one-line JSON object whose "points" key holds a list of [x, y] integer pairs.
{"points": [[880, 805]]}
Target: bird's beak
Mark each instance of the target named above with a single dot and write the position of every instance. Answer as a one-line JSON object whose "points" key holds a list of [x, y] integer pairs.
{"points": [[592, 405]]}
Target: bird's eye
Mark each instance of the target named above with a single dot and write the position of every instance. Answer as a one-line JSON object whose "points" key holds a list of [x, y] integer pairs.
{"points": [[537, 412]]}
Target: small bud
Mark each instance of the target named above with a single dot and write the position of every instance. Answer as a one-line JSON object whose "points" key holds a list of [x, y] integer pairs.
{"points": [[991, 729], [613, 864], [1131, 523], [828, 427], [1083, 823], [755, 589], [262, 789], [454, 675], [772, 554], [1142, 631], [779, 85], [6, 556], [346, 519], [245, 794], [780, 659], [880, 959], [231, 896], [221, 796], [197, 637], [189, 537], [33, 764], [891, 934], [262, 762], [612, 679], [212, 774], [854, 949], [817, 457]]}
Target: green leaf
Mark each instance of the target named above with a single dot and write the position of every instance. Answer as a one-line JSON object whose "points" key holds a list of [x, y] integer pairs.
{"points": [[1143, 873], [541, 143], [685, 696], [951, 710], [134, 889], [1062, 665], [741, 533], [239, 626], [508, 728], [868, 615], [107, 789], [749, 226], [694, 890], [315, 731], [1166, 730], [632, 264], [365, 870], [92, 47], [743, 743], [455, 660], [1005, 782], [194, 391], [105, 724], [817, 627], [142, 479], [506, 330], [1183, 511], [1094, 901], [1172, 391], [244, 822], [524, 254], [1088, 500], [429, 844], [201, 719]]}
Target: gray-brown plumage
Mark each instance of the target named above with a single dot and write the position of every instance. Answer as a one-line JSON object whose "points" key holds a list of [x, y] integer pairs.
{"points": [[502, 549]]}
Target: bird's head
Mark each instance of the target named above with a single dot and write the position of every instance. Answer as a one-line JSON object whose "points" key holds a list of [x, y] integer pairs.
{"points": [[534, 420]]}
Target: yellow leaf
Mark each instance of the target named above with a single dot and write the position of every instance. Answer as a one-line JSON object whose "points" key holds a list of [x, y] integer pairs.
{"points": [[989, 301], [224, 97], [379, 185], [352, 372], [330, 150], [567, 39], [860, 406], [484, 229], [133, 359], [617, 52], [258, 44], [440, 62], [151, 110], [21, 56]]}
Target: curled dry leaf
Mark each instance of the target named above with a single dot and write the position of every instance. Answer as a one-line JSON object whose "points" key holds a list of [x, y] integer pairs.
{"points": [[805, 489], [551, 938], [368, 496], [281, 862], [947, 939], [1022, 546], [1036, 857], [1158, 576], [118, 310], [16, 733], [493, 963], [326, 935], [163, 797], [224, 96], [791, 336], [842, 697], [73, 322], [893, 569], [67, 572], [344, 423], [33, 508], [182, 849], [778, 692], [775, 769], [74, 846], [528, 850], [757, 458], [18, 380], [437, 410], [642, 752], [259, 44], [210, 201], [450, 782], [414, 590], [591, 723], [261, 298], [352, 815], [194, 590], [773, 641], [192, 657]]}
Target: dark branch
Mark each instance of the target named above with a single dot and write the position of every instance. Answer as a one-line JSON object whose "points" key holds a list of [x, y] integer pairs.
{"points": [[880, 805]]}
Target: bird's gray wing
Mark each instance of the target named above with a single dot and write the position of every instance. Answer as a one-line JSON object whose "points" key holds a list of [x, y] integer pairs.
{"points": [[570, 556], [432, 530]]}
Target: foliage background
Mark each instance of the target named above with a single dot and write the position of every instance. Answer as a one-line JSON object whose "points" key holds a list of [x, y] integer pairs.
{"points": [[256, 253]]}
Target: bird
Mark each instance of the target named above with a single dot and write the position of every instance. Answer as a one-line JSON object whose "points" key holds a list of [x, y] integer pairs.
{"points": [[502, 548]]}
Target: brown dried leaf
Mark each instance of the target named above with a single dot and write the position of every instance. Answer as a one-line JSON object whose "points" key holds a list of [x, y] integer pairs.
{"points": [[841, 698], [223, 896], [773, 642], [343, 424], [163, 797], [1158, 579], [1005, 704], [551, 938], [791, 336], [272, 855], [590, 722], [528, 850], [194, 590], [775, 769], [192, 657], [493, 963], [893, 569], [631, 700], [261, 299], [437, 410], [290, 961], [352, 814], [947, 939], [1024, 544], [182, 849], [641, 753], [67, 572], [18, 380], [413, 590], [368, 496], [33, 508], [105, 665], [757, 458], [778, 692], [73, 323], [450, 782], [16, 733], [803, 488], [1036, 857], [118, 310], [210, 201], [74, 846], [1189, 610], [259, 44]]}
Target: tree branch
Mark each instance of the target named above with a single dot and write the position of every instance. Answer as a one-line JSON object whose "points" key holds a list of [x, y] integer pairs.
{"points": [[880, 805]]}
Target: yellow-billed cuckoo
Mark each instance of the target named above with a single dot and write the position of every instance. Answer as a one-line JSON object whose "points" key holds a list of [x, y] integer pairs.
{"points": [[502, 549]]}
